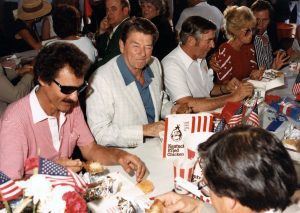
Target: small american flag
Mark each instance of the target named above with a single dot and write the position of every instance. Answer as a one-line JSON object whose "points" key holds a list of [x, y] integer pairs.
{"points": [[237, 117], [9, 190], [59, 175], [221, 125], [253, 118], [296, 87]]}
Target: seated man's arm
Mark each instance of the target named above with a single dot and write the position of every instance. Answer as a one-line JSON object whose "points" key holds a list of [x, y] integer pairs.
{"points": [[208, 104], [113, 156], [12, 142], [101, 114], [10, 92]]}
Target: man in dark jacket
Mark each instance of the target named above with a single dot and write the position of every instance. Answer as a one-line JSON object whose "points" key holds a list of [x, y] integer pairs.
{"points": [[110, 29]]}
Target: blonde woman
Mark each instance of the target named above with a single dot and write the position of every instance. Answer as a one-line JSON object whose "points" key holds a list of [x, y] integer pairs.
{"points": [[236, 57]]}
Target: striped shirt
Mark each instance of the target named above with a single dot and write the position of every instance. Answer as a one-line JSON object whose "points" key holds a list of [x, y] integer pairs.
{"points": [[263, 50], [21, 138]]}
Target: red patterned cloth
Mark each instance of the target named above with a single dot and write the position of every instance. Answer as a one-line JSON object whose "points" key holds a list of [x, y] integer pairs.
{"points": [[235, 63]]}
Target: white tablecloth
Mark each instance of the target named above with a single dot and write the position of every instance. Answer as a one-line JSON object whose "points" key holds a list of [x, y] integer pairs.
{"points": [[160, 170]]}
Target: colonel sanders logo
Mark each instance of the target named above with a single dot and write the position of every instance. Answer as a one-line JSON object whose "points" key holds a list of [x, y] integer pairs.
{"points": [[176, 134]]}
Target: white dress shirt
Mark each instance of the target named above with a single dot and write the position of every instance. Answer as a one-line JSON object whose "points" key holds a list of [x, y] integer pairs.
{"points": [[185, 77]]}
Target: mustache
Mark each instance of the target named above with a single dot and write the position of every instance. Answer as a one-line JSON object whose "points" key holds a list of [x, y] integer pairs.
{"points": [[69, 101]]}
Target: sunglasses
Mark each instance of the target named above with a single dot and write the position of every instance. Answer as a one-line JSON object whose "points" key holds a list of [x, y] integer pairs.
{"points": [[249, 31], [67, 90]]}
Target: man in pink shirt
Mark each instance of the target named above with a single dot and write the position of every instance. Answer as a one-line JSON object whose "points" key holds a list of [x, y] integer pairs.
{"points": [[49, 122]]}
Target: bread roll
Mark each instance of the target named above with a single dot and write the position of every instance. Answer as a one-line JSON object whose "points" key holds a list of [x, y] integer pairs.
{"points": [[93, 167], [292, 144], [156, 207], [146, 186]]}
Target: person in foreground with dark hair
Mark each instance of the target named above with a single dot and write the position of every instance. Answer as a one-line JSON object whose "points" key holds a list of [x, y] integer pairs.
{"points": [[247, 170], [49, 122]]}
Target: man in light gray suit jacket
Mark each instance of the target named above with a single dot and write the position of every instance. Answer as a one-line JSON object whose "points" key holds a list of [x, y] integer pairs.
{"points": [[126, 100]]}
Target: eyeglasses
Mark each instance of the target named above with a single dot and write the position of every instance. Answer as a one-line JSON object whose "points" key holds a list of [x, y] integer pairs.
{"points": [[67, 90], [203, 187], [249, 31]]}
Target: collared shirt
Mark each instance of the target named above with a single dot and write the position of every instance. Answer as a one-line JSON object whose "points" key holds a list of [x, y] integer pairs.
{"points": [[143, 89], [21, 138], [263, 49], [185, 77], [38, 115]]}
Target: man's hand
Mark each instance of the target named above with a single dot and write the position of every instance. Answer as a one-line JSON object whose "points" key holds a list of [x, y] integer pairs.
{"points": [[244, 90], [74, 165], [132, 163], [153, 129], [281, 59], [25, 69], [180, 203], [232, 85], [181, 109], [257, 74], [213, 63]]}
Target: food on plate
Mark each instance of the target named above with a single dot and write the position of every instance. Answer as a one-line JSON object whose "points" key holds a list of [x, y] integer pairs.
{"points": [[279, 74], [292, 144], [125, 206], [146, 186], [93, 167], [156, 207], [272, 74], [104, 188]]}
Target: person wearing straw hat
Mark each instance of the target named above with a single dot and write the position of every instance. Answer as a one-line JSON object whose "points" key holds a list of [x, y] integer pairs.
{"points": [[24, 30], [33, 9]]}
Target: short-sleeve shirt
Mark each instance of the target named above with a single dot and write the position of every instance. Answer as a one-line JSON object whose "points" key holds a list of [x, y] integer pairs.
{"points": [[22, 138], [183, 79], [233, 63]]}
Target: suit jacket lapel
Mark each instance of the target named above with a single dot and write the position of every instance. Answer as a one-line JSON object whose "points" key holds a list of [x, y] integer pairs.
{"points": [[131, 93], [135, 99], [155, 95]]}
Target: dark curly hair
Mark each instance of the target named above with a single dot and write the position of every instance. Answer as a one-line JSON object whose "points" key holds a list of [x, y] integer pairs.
{"points": [[66, 20], [54, 57], [249, 165]]}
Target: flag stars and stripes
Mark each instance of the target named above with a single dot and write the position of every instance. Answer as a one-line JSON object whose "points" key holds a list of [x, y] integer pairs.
{"points": [[9, 190], [253, 118], [59, 175], [237, 118], [296, 86], [51, 168]]}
